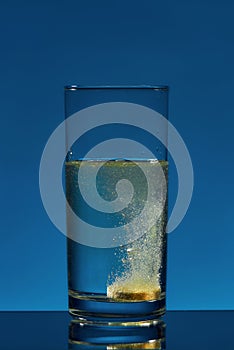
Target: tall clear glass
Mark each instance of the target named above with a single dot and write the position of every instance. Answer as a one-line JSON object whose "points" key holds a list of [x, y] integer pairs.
{"points": [[116, 190]]}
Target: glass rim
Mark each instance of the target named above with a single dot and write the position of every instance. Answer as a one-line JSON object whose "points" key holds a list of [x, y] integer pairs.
{"points": [[116, 87]]}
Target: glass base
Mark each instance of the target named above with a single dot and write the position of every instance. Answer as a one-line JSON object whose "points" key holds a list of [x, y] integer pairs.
{"points": [[96, 310]]}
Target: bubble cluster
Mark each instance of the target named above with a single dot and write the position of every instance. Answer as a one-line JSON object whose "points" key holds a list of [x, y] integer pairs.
{"points": [[139, 276]]}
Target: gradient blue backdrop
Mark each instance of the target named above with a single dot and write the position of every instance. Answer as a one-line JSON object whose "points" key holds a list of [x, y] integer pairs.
{"points": [[185, 44]]}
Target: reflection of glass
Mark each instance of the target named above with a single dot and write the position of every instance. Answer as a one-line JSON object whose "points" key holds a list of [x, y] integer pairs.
{"points": [[150, 335], [124, 182]]}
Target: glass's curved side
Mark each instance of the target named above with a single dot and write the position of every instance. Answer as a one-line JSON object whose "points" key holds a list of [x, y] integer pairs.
{"points": [[116, 185]]}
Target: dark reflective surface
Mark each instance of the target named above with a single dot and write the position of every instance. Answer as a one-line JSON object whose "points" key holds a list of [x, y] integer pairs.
{"points": [[185, 330]]}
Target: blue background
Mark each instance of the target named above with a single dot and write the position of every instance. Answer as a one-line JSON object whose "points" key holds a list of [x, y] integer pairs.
{"points": [[185, 44]]}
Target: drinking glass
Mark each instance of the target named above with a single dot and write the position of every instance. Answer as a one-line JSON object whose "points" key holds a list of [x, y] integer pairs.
{"points": [[116, 190]]}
